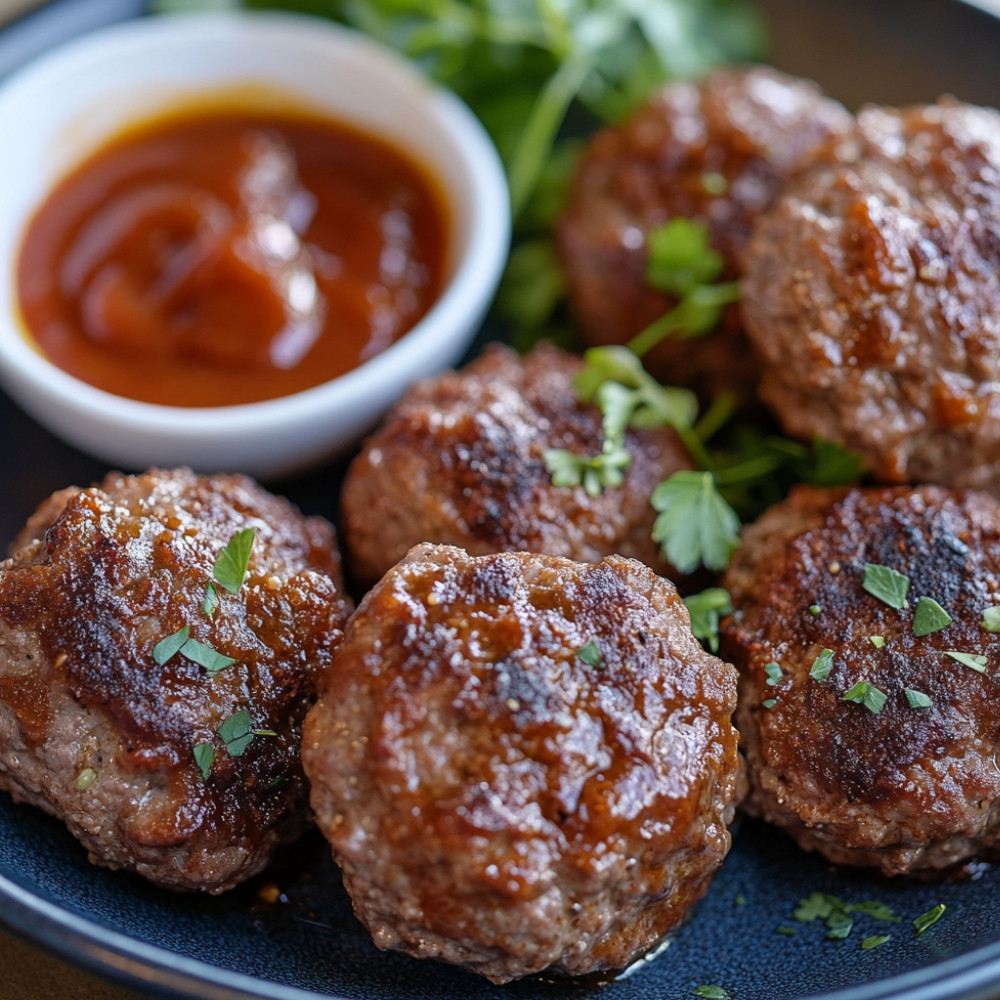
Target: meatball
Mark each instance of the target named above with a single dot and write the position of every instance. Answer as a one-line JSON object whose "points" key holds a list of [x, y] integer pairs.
{"points": [[522, 762], [461, 461], [182, 768], [872, 295], [716, 152], [867, 740]]}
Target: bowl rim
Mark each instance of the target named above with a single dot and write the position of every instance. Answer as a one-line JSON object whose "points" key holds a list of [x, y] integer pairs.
{"points": [[468, 290]]}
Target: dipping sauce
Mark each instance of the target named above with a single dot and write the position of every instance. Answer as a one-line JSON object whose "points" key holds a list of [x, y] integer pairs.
{"points": [[224, 257]]}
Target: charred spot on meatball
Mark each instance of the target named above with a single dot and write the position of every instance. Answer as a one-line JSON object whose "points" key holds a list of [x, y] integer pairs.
{"points": [[716, 153], [869, 717], [461, 461], [100, 729], [872, 295], [522, 762]]}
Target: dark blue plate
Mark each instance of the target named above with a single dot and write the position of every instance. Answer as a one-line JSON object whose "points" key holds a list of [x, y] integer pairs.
{"points": [[308, 943]]}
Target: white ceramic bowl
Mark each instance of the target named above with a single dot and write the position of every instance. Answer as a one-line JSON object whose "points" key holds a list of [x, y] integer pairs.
{"points": [[62, 107]]}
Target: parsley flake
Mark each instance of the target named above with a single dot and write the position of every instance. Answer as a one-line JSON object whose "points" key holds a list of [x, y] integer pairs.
{"points": [[705, 609], [917, 699], [680, 257], [165, 649], [815, 610], [769, 702], [874, 941], [591, 654], [237, 732], [210, 602], [991, 618], [929, 616], [822, 665], [773, 673], [878, 641], [593, 472], [232, 562], [886, 584], [925, 920], [786, 930], [975, 661], [866, 694], [710, 992], [205, 656], [695, 525], [204, 757]]}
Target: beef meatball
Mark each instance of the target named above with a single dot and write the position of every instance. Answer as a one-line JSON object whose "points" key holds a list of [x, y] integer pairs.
{"points": [[175, 764], [717, 153], [523, 762], [461, 461], [872, 295], [866, 739]]}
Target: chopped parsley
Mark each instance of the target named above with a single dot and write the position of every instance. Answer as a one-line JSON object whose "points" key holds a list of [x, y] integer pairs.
{"points": [[680, 257], [815, 610], [769, 702], [975, 661], [878, 641], [917, 699], [204, 758], [167, 648], [991, 618], [874, 941], [590, 653], [232, 562], [773, 672], [925, 920], [929, 617], [886, 584], [710, 992], [594, 473], [705, 609], [205, 656], [837, 915], [210, 602], [865, 693], [822, 665], [237, 732]]}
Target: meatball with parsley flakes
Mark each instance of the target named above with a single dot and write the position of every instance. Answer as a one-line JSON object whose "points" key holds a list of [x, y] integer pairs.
{"points": [[869, 697], [523, 762], [160, 636]]}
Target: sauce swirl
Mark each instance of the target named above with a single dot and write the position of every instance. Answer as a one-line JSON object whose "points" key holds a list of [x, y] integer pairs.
{"points": [[222, 257]]}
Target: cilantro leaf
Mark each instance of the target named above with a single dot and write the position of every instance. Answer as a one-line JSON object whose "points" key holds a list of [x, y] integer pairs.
{"points": [[929, 616], [232, 562], [917, 699], [204, 757], [680, 258], [874, 940], [592, 472], [205, 656], [165, 649], [210, 602], [590, 653], [695, 525], [886, 584], [975, 661], [822, 665], [991, 618], [237, 732], [865, 693], [773, 673], [705, 609], [925, 920]]}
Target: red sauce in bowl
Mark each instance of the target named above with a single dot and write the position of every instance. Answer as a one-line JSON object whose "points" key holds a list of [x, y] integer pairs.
{"points": [[225, 257]]}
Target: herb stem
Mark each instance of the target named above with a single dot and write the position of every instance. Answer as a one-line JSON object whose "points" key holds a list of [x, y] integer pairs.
{"points": [[645, 340], [718, 414]]}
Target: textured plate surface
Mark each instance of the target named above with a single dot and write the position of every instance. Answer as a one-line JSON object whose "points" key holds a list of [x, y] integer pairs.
{"points": [[309, 944]]}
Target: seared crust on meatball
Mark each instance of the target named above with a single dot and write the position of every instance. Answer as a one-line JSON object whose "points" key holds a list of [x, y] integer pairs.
{"points": [[523, 762], [716, 152], [461, 461], [903, 789], [96, 731], [872, 295]]}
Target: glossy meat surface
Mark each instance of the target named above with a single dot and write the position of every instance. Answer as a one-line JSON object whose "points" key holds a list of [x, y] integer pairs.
{"points": [[461, 461], [718, 153], [496, 799], [872, 295], [905, 789], [96, 732]]}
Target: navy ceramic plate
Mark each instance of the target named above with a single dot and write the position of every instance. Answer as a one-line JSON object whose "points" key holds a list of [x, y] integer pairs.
{"points": [[307, 943]]}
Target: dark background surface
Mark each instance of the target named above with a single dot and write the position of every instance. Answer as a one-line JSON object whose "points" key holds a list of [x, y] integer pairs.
{"points": [[893, 51]]}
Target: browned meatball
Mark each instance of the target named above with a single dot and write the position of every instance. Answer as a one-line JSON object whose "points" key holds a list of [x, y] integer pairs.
{"points": [[716, 152], [872, 295], [96, 731], [523, 762], [900, 786], [461, 461]]}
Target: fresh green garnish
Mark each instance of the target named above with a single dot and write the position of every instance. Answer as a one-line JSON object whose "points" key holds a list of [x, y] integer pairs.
{"points": [[590, 653], [786, 930], [710, 992], [822, 665], [769, 702], [925, 920], [878, 641], [695, 315], [815, 610], [593, 472], [886, 584], [210, 602], [204, 758], [706, 608], [991, 618], [232, 562], [680, 257], [838, 915], [773, 673], [975, 661], [929, 616], [874, 941], [205, 656], [695, 525], [714, 183], [866, 694], [167, 648], [237, 732], [917, 699]]}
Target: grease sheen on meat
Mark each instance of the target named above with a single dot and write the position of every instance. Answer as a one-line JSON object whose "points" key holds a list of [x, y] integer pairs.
{"points": [[460, 461], [95, 732], [906, 789], [872, 295], [717, 152], [497, 801]]}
